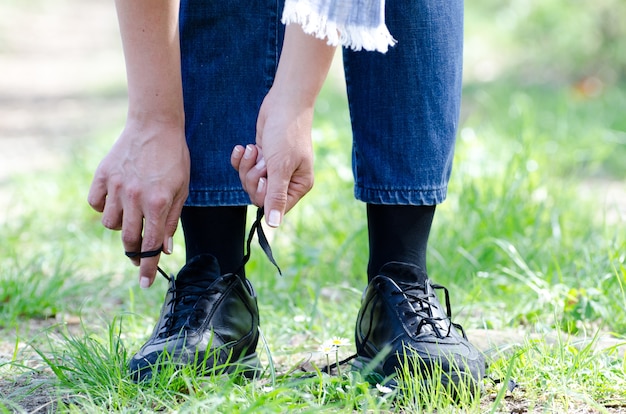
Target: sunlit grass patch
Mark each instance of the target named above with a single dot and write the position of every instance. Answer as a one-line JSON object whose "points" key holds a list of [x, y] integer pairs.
{"points": [[560, 376]]}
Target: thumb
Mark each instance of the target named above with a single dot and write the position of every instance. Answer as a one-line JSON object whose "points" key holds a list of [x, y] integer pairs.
{"points": [[171, 224], [275, 202]]}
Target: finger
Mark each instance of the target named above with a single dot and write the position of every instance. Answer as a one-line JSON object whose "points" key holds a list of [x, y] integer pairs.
{"points": [[171, 224], [281, 195], [132, 227], [147, 270], [97, 193], [112, 213], [261, 189], [252, 179], [248, 160], [236, 155], [275, 199], [153, 236], [298, 188]]}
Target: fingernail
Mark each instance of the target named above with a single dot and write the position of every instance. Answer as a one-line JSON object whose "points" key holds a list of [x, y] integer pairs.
{"points": [[274, 218], [260, 165], [169, 247], [144, 282], [248, 152], [237, 152], [261, 185]]}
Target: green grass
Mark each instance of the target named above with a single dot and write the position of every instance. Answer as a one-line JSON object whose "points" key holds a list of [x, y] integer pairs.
{"points": [[523, 242], [517, 244]]}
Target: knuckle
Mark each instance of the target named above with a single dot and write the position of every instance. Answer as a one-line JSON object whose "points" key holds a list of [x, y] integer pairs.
{"points": [[95, 203], [257, 201], [110, 223], [308, 183], [133, 193], [150, 243], [171, 225], [115, 183], [278, 198], [129, 239], [158, 201]]}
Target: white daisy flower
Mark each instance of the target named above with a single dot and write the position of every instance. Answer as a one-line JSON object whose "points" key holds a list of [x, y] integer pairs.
{"points": [[327, 348], [338, 341]]}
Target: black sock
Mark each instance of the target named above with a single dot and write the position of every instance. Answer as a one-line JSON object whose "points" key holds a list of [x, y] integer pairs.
{"points": [[219, 231], [398, 233]]}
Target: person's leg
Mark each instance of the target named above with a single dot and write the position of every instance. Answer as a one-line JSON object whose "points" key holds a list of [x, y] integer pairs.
{"points": [[397, 233], [229, 52], [226, 74], [219, 231], [404, 107]]}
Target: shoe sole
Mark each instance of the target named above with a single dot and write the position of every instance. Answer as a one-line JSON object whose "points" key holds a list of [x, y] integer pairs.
{"points": [[249, 366]]}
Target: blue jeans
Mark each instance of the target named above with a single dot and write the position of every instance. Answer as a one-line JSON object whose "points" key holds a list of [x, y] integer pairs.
{"points": [[404, 105]]}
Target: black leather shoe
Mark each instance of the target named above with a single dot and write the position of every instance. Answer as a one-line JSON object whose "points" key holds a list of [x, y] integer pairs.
{"points": [[208, 320], [402, 322]]}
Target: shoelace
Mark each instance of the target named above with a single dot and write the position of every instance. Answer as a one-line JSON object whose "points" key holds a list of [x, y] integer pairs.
{"points": [[256, 228], [181, 317], [183, 308], [423, 304]]}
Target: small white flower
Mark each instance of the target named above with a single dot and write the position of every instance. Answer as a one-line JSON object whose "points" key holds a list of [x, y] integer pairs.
{"points": [[383, 389], [299, 318], [338, 341], [327, 348]]}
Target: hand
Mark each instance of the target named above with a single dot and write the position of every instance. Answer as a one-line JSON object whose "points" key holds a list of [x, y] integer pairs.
{"points": [[278, 171], [140, 187]]}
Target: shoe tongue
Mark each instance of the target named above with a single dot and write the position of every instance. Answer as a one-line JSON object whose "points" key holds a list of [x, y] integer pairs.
{"points": [[201, 270], [404, 272]]}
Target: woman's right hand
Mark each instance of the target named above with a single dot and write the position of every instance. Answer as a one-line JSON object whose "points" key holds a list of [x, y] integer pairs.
{"points": [[140, 188]]}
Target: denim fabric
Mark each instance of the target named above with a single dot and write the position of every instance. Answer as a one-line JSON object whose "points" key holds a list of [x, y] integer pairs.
{"points": [[230, 51], [404, 105]]}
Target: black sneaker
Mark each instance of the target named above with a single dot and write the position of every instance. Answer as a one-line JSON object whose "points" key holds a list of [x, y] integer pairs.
{"points": [[208, 320], [402, 322]]}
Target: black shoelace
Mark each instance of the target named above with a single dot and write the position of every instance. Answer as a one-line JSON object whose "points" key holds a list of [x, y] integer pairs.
{"points": [[183, 314], [423, 305]]}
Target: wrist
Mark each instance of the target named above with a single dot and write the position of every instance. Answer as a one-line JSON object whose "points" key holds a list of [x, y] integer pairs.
{"points": [[303, 66], [167, 117]]}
